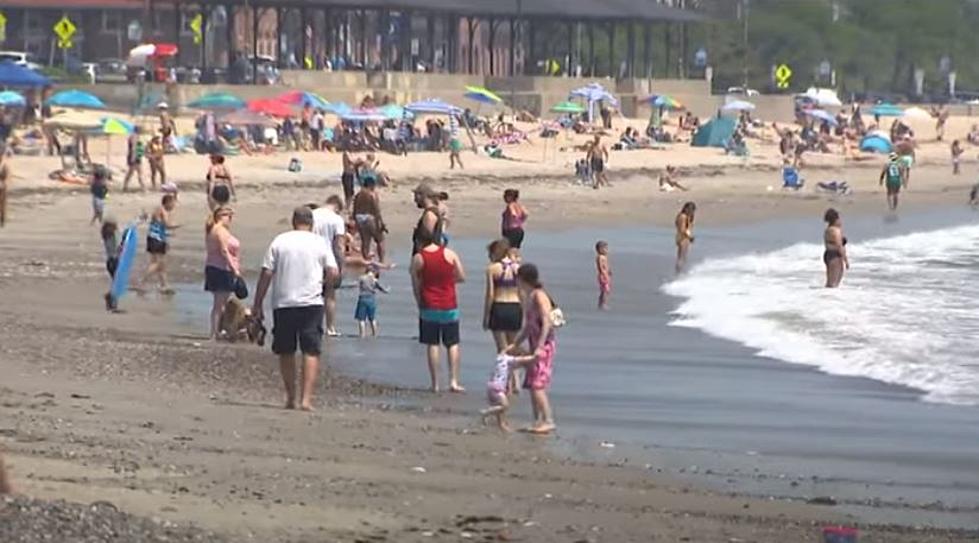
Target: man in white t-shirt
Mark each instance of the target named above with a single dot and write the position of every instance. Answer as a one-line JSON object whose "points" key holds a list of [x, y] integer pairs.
{"points": [[329, 225], [297, 265]]}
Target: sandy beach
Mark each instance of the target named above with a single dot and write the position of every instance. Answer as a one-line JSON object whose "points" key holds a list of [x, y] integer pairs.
{"points": [[139, 410]]}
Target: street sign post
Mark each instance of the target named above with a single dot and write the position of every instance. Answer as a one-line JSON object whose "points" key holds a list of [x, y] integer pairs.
{"points": [[196, 26], [783, 76], [64, 29], [3, 26]]}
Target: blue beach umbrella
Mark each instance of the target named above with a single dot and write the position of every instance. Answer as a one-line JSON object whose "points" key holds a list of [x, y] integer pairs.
{"points": [[12, 99], [886, 110], [433, 107], [13, 75], [338, 108], [76, 99], [822, 115], [392, 111]]}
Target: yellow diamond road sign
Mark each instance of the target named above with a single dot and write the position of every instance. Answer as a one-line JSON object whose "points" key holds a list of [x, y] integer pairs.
{"points": [[195, 25], [3, 26], [64, 29], [783, 75]]}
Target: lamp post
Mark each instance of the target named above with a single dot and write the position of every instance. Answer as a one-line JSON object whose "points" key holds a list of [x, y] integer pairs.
{"points": [[744, 39]]}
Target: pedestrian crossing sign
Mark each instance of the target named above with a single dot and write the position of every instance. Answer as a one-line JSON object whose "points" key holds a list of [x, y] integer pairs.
{"points": [[783, 76], [64, 29]]}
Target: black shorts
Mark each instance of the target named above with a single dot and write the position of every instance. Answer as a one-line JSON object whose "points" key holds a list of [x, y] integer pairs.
{"points": [[505, 317], [156, 247], [515, 237], [220, 194], [218, 280], [337, 283], [597, 165], [297, 326], [433, 333], [111, 264]]}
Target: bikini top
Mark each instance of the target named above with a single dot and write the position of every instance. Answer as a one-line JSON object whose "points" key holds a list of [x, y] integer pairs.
{"points": [[502, 281]]}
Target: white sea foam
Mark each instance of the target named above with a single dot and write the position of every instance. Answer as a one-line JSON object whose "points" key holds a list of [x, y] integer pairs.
{"points": [[907, 313]]}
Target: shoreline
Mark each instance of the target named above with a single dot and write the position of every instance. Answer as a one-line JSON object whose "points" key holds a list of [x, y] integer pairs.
{"points": [[151, 383]]}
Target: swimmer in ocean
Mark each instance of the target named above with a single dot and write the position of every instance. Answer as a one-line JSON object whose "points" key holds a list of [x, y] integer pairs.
{"points": [[834, 256]]}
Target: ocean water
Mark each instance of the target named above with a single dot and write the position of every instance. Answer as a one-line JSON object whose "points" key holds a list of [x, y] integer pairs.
{"points": [[907, 313], [744, 372]]}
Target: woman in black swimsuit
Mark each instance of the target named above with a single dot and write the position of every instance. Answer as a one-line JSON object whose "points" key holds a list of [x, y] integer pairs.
{"points": [[220, 187], [502, 312], [835, 254]]}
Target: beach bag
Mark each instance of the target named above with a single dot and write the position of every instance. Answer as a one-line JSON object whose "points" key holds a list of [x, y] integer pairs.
{"points": [[557, 314], [241, 288]]}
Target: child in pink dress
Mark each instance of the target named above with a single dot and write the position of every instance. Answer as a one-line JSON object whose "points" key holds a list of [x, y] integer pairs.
{"points": [[538, 331]]}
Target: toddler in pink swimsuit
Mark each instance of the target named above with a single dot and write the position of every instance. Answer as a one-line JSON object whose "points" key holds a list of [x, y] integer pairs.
{"points": [[496, 388]]}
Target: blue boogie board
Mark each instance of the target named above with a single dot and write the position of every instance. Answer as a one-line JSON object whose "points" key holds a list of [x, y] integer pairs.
{"points": [[130, 244]]}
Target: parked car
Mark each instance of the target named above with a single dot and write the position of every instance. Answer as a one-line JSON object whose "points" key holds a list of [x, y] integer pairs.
{"points": [[21, 59], [741, 91]]}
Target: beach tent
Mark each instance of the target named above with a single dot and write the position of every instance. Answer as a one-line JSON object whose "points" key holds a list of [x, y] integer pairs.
{"points": [[876, 143], [592, 93], [13, 75], [714, 133]]}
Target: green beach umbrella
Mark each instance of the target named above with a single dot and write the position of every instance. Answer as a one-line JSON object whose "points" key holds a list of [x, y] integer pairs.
{"points": [[568, 107], [482, 95], [116, 127], [217, 101]]}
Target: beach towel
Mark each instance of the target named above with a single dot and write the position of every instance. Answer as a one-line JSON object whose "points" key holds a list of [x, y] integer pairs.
{"points": [[835, 187]]}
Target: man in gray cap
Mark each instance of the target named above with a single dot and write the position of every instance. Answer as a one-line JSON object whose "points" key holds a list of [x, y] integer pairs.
{"points": [[431, 220], [297, 265]]}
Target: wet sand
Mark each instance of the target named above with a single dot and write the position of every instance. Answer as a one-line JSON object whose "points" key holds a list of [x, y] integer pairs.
{"points": [[136, 409]]}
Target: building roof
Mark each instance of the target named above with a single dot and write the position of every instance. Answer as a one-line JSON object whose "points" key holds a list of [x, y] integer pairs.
{"points": [[634, 10], [620, 10]]}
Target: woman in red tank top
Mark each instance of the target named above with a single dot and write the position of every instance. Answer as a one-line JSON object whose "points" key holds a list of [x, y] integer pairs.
{"points": [[435, 271]]}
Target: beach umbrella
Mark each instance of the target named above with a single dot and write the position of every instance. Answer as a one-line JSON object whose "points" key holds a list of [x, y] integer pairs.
{"points": [[75, 120], [591, 93], [244, 117], [738, 105], [217, 101], [114, 126], [338, 108], [76, 99], [916, 114], [141, 53], [433, 107], [13, 75], [886, 110], [270, 106], [363, 116], [392, 111], [822, 115], [568, 107], [12, 99], [303, 98], [665, 101], [823, 97], [876, 143], [482, 95]]}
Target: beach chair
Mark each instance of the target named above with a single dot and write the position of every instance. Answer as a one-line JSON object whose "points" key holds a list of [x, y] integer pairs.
{"points": [[791, 178]]}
